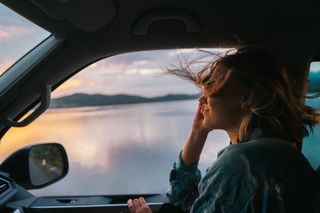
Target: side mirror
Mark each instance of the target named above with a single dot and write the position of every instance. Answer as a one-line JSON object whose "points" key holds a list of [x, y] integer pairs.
{"points": [[37, 166]]}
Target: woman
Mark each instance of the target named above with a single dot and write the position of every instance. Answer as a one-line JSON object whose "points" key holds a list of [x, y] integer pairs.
{"points": [[248, 94]]}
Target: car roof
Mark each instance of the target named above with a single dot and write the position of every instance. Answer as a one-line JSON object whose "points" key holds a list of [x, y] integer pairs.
{"points": [[86, 31], [102, 25]]}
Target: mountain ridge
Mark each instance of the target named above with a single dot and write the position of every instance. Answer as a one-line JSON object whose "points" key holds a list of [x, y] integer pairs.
{"points": [[86, 100]]}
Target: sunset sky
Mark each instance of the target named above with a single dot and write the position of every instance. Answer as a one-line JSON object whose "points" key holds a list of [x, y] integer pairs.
{"points": [[17, 37]]}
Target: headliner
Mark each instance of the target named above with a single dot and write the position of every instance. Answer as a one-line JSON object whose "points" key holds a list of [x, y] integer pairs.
{"points": [[104, 24]]}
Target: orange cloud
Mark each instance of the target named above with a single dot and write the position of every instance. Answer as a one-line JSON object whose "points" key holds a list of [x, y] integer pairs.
{"points": [[4, 34], [4, 65], [7, 31], [67, 87]]}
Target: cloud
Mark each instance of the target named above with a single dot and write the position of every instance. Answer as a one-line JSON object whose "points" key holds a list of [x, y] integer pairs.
{"points": [[197, 51], [4, 34], [10, 31], [137, 73], [180, 51], [140, 63], [142, 58], [4, 65], [93, 66], [143, 71], [69, 85], [17, 34]]}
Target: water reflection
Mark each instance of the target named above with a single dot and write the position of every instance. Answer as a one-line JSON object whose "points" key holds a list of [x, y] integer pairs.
{"points": [[116, 150]]}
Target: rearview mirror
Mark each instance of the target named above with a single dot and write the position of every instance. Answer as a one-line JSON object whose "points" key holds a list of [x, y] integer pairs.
{"points": [[37, 166]]}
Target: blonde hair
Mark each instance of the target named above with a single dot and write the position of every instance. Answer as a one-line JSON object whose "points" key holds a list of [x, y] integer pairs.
{"points": [[268, 97]]}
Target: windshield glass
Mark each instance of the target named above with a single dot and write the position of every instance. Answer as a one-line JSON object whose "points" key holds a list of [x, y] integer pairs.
{"points": [[17, 37]]}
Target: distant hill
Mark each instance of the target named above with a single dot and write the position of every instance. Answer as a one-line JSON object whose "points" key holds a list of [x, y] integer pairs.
{"points": [[84, 100]]}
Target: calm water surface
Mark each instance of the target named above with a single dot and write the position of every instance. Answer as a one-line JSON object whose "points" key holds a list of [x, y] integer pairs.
{"points": [[116, 150], [123, 149]]}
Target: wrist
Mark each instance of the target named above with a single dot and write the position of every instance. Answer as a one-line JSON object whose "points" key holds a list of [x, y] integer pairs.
{"points": [[199, 133], [198, 137]]}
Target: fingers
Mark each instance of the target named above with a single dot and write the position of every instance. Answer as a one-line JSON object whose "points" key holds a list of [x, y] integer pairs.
{"points": [[143, 202], [202, 103], [200, 106], [200, 110], [138, 206], [133, 205], [130, 206], [136, 203]]}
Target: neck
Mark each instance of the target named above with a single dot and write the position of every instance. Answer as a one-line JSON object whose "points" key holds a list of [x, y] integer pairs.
{"points": [[233, 135]]}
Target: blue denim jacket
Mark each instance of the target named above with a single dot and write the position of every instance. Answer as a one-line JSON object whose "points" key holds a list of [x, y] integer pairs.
{"points": [[259, 176]]}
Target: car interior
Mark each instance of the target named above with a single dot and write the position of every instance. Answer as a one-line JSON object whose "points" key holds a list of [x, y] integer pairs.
{"points": [[83, 32]]}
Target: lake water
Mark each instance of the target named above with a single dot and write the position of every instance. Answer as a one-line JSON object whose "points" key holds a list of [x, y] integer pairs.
{"points": [[116, 150], [122, 149]]}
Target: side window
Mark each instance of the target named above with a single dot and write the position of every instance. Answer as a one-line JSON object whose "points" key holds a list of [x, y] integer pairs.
{"points": [[122, 121], [311, 144]]}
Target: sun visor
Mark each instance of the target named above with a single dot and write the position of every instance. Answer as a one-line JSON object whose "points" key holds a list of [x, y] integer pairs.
{"points": [[86, 15]]}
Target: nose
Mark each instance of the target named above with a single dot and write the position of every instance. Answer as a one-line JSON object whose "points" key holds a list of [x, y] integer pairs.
{"points": [[203, 100]]}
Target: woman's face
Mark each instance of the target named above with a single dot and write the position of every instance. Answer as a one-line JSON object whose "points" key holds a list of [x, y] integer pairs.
{"points": [[222, 110]]}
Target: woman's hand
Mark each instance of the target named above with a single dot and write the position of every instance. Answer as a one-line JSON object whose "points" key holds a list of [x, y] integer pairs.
{"points": [[197, 126], [192, 149], [138, 206]]}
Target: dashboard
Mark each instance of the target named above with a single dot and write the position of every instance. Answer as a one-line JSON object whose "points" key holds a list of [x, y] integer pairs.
{"points": [[15, 199]]}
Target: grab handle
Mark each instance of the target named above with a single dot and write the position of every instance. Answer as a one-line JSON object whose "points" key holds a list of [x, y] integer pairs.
{"points": [[44, 104], [142, 25]]}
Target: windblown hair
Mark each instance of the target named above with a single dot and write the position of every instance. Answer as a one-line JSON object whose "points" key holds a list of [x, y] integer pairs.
{"points": [[268, 98]]}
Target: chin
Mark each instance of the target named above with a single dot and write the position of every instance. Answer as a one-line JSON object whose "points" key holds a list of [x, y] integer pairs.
{"points": [[208, 126]]}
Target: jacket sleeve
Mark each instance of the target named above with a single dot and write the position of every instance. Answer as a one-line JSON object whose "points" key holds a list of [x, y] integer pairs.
{"points": [[184, 184]]}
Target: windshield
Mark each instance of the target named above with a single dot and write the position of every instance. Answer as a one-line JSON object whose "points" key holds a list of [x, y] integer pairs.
{"points": [[17, 37]]}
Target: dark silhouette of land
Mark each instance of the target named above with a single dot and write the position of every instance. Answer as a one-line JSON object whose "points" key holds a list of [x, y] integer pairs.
{"points": [[85, 100]]}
